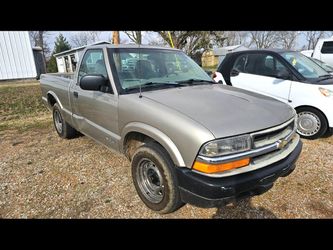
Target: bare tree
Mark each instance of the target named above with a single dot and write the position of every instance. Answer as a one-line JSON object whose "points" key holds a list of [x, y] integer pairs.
{"points": [[192, 43], [263, 39], [287, 39], [312, 37], [178, 38], [219, 38], [229, 38], [82, 38], [135, 36], [155, 39], [189, 41], [34, 37], [39, 38]]}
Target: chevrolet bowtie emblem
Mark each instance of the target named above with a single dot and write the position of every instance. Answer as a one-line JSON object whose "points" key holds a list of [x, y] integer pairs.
{"points": [[282, 143]]}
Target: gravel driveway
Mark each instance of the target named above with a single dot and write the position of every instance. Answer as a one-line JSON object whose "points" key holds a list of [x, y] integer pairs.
{"points": [[44, 176]]}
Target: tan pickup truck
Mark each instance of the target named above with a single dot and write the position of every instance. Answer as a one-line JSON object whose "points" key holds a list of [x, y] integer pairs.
{"points": [[189, 139]]}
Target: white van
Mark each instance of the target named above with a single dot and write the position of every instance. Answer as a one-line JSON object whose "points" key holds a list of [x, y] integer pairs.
{"points": [[324, 50]]}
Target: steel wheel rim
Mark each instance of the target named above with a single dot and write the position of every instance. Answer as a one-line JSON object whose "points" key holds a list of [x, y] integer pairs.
{"points": [[150, 181], [58, 121], [308, 123]]}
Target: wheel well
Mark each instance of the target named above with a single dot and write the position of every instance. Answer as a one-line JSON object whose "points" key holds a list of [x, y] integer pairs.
{"points": [[51, 100], [133, 140], [306, 106]]}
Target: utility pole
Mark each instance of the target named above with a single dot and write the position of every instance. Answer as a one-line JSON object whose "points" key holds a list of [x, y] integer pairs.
{"points": [[115, 37]]}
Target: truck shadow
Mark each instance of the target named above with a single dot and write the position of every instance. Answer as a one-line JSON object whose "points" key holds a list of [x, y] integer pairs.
{"points": [[242, 209]]}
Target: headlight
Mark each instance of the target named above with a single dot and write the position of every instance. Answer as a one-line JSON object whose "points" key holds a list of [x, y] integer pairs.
{"points": [[226, 146], [325, 92]]}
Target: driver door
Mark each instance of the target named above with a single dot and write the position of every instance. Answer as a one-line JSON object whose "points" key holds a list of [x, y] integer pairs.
{"points": [[95, 112], [259, 73]]}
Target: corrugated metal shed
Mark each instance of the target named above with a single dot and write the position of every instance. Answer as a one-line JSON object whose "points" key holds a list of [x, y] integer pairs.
{"points": [[16, 56]]}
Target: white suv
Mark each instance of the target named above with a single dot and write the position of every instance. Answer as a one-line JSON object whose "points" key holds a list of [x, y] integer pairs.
{"points": [[324, 50]]}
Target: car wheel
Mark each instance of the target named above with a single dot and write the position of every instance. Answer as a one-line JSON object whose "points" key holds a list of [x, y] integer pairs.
{"points": [[155, 179], [63, 129], [311, 123]]}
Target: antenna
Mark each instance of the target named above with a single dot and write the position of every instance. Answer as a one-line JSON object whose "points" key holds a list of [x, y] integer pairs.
{"points": [[140, 95]]}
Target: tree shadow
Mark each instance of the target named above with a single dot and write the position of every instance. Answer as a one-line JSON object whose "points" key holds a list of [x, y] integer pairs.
{"points": [[242, 209]]}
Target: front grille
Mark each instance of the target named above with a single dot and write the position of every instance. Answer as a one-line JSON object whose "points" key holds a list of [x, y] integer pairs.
{"points": [[269, 136]]}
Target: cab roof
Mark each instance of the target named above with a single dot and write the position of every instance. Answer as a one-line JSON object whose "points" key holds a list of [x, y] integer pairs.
{"points": [[128, 46]]}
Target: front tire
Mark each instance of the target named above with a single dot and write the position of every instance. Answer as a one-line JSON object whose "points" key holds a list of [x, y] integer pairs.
{"points": [[63, 129], [311, 123], [155, 179]]}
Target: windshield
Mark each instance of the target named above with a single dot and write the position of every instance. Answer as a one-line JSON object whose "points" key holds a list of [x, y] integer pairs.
{"points": [[304, 65], [155, 68], [325, 66]]}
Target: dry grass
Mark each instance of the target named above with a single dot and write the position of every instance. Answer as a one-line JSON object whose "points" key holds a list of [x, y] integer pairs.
{"points": [[21, 106], [44, 176]]}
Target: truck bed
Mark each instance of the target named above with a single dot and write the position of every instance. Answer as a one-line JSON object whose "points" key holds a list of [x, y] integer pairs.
{"points": [[57, 83]]}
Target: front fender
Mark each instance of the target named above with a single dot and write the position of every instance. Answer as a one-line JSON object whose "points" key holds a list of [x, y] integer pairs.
{"points": [[158, 136]]}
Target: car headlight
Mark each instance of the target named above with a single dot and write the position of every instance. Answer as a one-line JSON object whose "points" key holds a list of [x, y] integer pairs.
{"points": [[226, 146], [325, 92]]}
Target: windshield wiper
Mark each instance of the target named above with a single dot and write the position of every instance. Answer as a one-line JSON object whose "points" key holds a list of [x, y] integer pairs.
{"points": [[193, 81], [158, 83], [152, 83], [324, 77]]}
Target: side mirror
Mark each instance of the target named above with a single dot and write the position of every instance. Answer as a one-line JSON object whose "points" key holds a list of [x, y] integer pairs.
{"points": [[283, 74], [92, 82]]}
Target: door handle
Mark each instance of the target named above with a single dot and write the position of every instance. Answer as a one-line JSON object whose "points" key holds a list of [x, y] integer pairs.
{"points": [[76, 94]]}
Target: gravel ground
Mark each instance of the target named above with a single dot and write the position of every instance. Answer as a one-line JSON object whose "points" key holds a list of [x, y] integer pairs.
{"points": [[44, 176]]}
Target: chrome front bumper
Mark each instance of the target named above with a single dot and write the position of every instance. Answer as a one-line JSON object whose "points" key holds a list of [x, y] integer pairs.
{"points": [[262, 156]]}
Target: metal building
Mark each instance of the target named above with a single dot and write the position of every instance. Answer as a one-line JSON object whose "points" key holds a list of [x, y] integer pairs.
{"points": [[222, 52], [67, 60], [16, 56]]}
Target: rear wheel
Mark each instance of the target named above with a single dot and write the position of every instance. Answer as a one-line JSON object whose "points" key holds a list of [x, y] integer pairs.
{"points": [[63, 129], [311, 123], [155, 180]]}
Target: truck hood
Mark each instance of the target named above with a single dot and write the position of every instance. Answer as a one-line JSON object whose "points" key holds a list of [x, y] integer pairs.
{"points": [[224, 110]]}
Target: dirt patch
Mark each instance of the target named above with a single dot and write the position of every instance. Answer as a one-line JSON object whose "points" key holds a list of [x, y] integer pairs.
{"points": [[44, 176]]}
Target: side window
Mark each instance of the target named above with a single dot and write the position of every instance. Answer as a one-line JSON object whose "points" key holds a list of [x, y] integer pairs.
{"points": [[267, 65], [327, 48], [245, 63], [93, 63], [240, 63]]}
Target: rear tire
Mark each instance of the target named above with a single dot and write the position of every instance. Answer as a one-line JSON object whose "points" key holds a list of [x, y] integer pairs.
{"points": [[155, 180], [63, 129], [311, 123]]}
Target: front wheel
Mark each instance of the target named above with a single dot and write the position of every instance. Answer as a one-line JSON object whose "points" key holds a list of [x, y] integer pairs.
{"points": [[155, 179], [311, 123]]}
